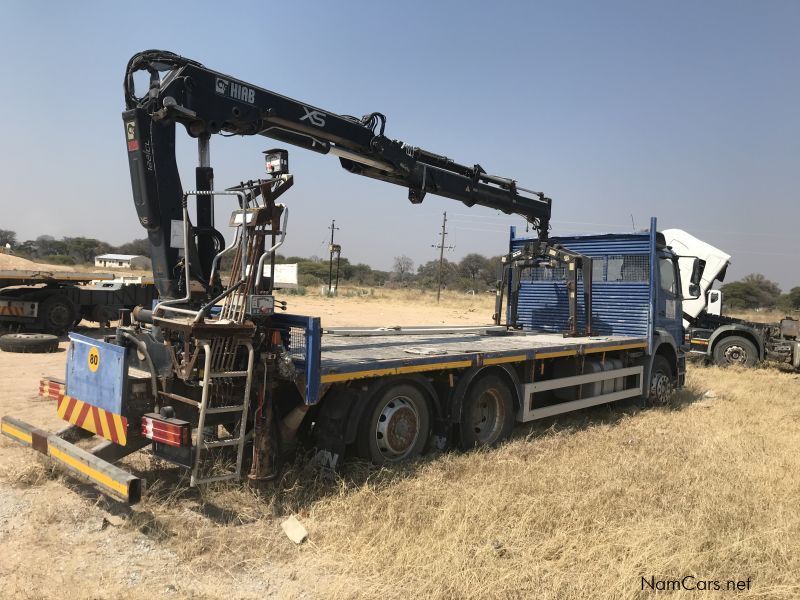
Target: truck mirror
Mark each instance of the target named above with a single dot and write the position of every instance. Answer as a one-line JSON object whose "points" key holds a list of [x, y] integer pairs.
{"points": [[694, 291]]}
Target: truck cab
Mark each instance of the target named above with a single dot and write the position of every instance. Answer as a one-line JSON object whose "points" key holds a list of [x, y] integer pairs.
{"points": [[719, 339], [637, 289]]}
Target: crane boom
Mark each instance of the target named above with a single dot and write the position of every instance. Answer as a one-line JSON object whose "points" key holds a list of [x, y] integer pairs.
{"points": [[207, 102]]}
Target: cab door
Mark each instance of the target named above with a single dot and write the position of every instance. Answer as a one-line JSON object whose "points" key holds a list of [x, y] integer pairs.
{"points": [[669, 314]]}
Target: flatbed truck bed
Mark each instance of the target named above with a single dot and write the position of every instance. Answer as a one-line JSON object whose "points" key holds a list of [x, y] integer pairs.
{"points": [[15, 277], [354, 355]]}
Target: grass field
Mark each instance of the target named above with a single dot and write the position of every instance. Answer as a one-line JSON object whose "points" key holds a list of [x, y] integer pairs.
{"points": [[582, 506]]}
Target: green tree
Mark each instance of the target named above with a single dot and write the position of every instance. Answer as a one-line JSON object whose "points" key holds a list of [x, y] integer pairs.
{"points": [[790, 301], [428, 274], [752, 291], [140, 247]]}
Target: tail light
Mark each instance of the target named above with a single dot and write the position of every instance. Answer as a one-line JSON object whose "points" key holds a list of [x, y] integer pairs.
{"points": [[170, 431]]}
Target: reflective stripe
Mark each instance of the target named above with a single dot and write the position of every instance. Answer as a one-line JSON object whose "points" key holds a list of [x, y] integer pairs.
{"points": [[99, 477], [17, 433], [334, 377], [504, 359]]}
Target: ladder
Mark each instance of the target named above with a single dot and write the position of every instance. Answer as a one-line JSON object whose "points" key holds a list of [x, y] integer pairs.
{"points": [[217, 375]]}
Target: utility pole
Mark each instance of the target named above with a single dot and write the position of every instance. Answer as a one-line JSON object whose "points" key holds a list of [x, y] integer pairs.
{"points": [[441, 248], [331, 248]]}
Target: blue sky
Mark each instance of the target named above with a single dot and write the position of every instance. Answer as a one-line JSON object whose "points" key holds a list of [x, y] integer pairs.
{"points": [[618, 110]]}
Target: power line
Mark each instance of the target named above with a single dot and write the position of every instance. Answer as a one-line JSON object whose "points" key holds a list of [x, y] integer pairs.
{"points": [[332, 248], [441, 248]]}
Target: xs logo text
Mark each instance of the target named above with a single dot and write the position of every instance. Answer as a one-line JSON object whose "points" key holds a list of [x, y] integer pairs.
{"points": [[315, 117]]}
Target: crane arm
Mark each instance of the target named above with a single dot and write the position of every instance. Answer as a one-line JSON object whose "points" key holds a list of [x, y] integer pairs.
{"points": [[207, 102]]}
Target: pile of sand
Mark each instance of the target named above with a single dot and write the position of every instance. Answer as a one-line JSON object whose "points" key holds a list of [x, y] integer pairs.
{"points": [[17, 263]]}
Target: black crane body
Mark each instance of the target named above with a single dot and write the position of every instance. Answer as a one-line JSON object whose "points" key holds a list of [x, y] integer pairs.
{"points": [[206, 102]]}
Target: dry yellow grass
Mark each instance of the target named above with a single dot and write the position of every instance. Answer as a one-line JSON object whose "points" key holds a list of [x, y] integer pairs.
{"points": [[760, 316], [578, 507]]}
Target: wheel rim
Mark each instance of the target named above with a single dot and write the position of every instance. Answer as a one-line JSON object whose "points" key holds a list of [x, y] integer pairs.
{"points": [[661, 387], [735, 355], [60, 315], [487, 420], [397, 428]]}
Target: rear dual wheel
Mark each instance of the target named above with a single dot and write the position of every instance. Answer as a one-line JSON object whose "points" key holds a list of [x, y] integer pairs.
{"points": [[397, 425], [488, 413], [57, 314]]}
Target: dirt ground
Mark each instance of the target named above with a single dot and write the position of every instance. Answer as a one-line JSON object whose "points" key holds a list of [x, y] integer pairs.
{"points": [[581, 506]]}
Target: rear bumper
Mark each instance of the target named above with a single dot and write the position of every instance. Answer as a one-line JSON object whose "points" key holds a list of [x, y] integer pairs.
{"points": [[107, 477]]}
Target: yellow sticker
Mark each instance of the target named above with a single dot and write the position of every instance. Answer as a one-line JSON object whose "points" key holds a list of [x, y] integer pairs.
{"points": [[93, 359]]}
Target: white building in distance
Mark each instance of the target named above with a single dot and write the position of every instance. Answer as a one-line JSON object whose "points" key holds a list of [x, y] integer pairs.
{"points": [[122, 261]]}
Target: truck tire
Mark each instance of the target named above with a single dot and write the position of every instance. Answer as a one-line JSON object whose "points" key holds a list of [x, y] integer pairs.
{"points": [[396, 426], [487, 417], [36, 343], [57, 314], [662, 382], [735, 350]]}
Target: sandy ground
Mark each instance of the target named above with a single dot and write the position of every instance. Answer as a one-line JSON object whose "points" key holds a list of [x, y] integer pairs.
{"points": [[570, 508]]}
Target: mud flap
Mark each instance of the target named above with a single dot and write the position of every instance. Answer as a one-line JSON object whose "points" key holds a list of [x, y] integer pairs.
{"points": [[107, 477]]}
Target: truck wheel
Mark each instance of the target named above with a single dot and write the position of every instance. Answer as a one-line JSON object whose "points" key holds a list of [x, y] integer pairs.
{"points": [[396, 427], [37, 343], [662, 385], [57, 314], [488, 413], [735, 350]]}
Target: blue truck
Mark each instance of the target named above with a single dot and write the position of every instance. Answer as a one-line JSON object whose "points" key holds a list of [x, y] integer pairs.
{"points": [[217, 379], [387, 395]]}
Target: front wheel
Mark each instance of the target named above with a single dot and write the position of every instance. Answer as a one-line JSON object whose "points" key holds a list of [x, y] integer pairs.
{"points": [[662, 386], [735, 350], [396, 427]]}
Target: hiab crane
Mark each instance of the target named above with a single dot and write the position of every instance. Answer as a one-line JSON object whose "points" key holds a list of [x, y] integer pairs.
{"points": [[206, 103], [214, 368]]}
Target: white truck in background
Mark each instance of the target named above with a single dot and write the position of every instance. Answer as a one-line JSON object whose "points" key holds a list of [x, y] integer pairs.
{"points": [[720, 339]]}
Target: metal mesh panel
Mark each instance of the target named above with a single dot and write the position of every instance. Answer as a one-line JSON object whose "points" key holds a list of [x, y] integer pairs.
{"points": [[619, 268], [546, 274], [297, 343], [628, 268]]}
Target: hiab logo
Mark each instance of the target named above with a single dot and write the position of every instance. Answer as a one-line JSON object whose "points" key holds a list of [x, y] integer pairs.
{"points": [[235, 90], [222, 86]]}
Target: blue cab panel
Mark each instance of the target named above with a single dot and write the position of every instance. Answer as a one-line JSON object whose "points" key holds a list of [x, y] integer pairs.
{"points": [[96, 372]]}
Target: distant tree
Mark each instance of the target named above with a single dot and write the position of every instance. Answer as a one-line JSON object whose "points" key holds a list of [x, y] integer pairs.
{"points": [[363, 274], [140, 247], [84, 250], [428, 274], [402, 266], [7, 237], [752, 291], [790, 301], [481, 271]]}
